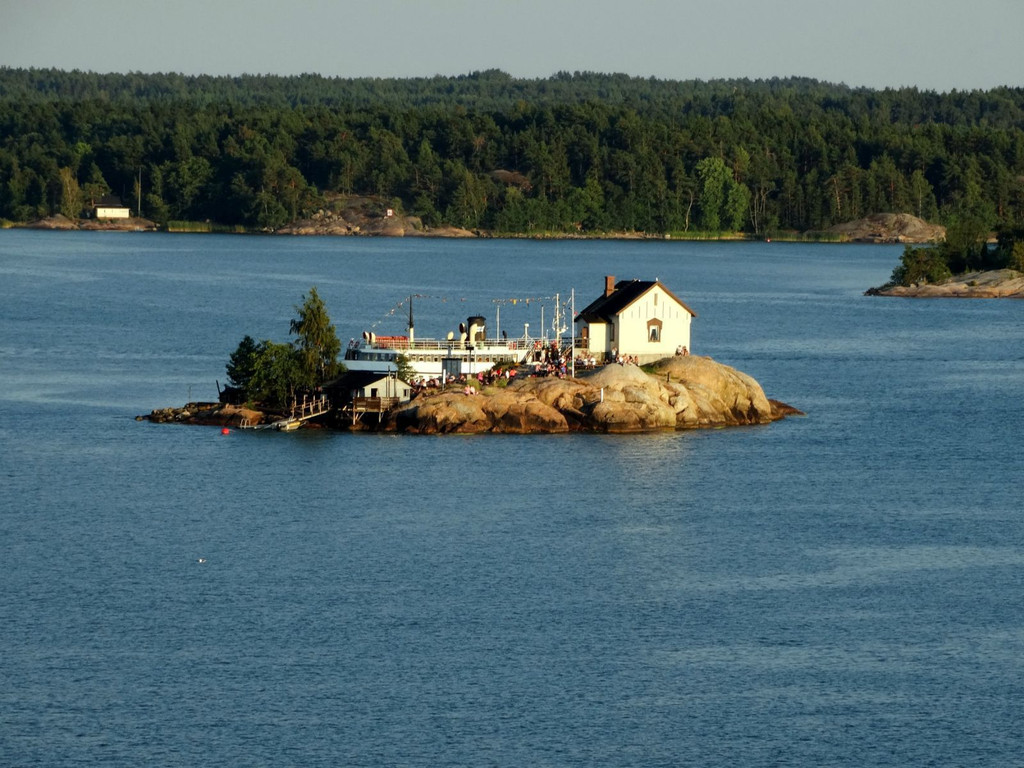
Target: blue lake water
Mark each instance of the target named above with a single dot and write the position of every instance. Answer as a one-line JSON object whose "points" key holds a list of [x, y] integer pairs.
{"points": [[843, 589]]}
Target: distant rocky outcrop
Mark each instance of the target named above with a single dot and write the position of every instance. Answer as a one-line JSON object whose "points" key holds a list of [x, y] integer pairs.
{"points": [[682, 393], [889, 228], [993, 284], [365, 215]]}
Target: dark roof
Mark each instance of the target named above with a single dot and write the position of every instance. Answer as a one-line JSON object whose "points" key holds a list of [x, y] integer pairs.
{"points": [[355, 380], [108, 201], [604, 309]]}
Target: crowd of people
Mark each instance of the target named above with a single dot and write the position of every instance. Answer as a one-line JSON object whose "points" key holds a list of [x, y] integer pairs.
{"points": [[549, 360], [483, 378]]}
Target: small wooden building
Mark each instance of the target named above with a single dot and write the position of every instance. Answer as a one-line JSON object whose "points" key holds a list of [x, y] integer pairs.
{"points": [[355, 384], [640, 318], [110, 207], [358, 393]]}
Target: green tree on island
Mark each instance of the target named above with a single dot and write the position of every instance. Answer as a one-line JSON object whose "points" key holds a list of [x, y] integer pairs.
{"points": [[264, 372], [404, 369], [965, 249], [921, 265], [276, 374], [271, 373], [317, 345], [242, 364]]}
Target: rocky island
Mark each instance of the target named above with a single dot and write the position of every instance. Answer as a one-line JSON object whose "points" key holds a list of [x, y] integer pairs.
{"points": [[681, 392], [989, 284], [533, 391]]}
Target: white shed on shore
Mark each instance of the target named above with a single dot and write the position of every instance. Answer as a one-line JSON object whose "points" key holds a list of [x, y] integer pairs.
{"points": [[111, 212], [109, 207], [354, 385]]}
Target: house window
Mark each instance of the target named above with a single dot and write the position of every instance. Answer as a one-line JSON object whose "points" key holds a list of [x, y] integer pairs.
{"points": [[654, 331]]}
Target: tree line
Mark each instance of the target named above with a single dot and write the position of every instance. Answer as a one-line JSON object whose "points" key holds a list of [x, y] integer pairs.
{"points": [[579, 152]]}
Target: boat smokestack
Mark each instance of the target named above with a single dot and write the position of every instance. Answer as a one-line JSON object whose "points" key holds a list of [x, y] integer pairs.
{"points": [[609, 285], [477, 328]]}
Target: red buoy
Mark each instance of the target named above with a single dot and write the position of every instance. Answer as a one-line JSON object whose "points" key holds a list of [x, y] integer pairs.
{"points": [[225, 431]]}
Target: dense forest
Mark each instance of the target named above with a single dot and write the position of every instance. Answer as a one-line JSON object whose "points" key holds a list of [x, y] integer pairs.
{"points": [[575, 152]]}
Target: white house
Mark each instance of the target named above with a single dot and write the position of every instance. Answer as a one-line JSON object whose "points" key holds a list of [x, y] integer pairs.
{"points": [[112, 212], [636, 317], [109, 207], [356, 385]]}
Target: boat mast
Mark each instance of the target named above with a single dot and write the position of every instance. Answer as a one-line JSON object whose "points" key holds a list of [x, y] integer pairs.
{"points": [[572, 332], [412, 333], [558, 324]]}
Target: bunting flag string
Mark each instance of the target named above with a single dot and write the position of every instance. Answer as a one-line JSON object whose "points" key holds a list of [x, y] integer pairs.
{"points": [[401, 305], [513, 301], [527, 301]]}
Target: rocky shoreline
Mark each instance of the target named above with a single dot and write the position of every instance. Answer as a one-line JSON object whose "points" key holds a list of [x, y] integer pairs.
{"points": [[63, 223], [359, 216], [994, 284], [690, 392]]}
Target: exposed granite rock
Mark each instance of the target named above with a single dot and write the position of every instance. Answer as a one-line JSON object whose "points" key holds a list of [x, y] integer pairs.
{"points": [[994, 284], [59, 221], [210, 414], [683, 393], [706, 393], [499, 411], [889, 228], [442, 413]]}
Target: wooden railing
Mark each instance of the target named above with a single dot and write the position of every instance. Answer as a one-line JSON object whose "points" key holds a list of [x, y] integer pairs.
{"points": [[310, 407], [373, 404]]}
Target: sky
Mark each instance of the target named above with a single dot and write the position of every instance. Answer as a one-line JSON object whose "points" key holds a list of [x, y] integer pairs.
{"points": [[938, 45]]}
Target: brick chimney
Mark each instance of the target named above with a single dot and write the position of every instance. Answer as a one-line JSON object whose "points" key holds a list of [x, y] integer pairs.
{"points": [[609, 285]]}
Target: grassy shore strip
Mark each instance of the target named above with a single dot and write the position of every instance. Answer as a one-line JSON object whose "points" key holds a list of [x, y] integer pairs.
{"points": [[205, 226]]}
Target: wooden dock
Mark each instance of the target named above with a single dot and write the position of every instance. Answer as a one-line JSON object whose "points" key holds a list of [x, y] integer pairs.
{"points": [[309, 408], [361, 406]]}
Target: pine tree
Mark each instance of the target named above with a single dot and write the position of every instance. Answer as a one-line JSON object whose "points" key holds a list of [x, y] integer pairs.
{"points": [[317, 345]]}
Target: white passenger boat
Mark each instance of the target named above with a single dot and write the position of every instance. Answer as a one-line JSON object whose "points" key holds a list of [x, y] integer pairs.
{"points": [[466, 353]]}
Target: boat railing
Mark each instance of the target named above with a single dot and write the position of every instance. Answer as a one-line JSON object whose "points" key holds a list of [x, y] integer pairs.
{"points": [[519, 344]]}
